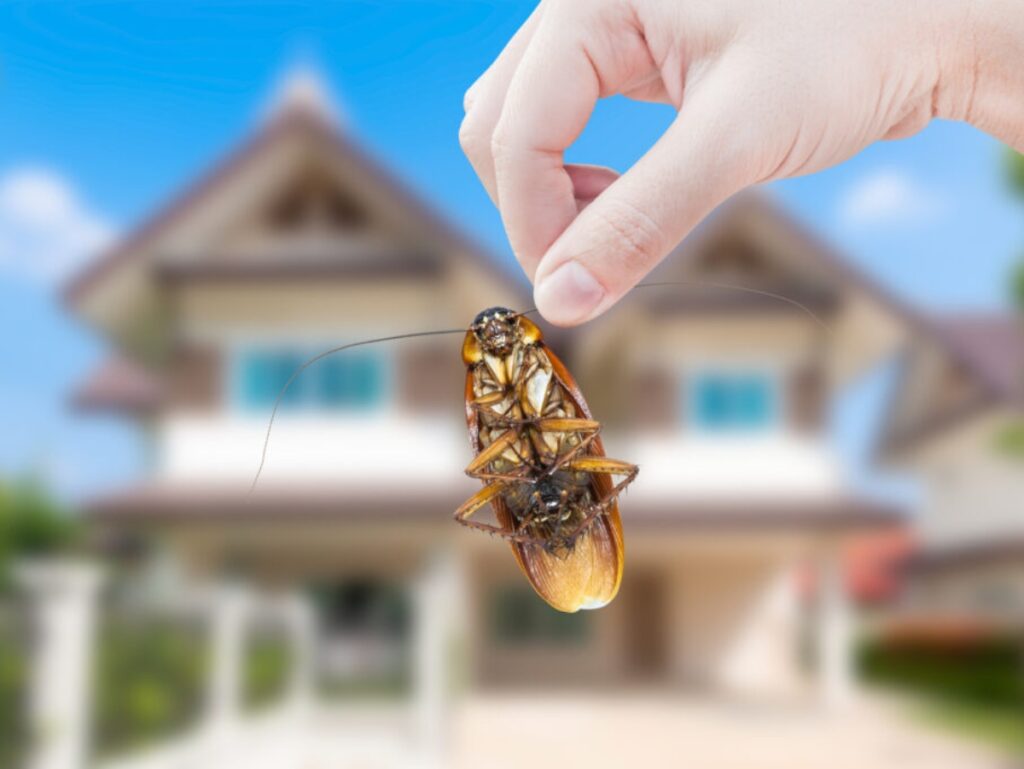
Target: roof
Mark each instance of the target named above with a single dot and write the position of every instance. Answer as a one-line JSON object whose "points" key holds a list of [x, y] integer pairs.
{"points": [[987, 348], [296, 120], [118, 385], [984, 553], [992, 347], [180, 503]]}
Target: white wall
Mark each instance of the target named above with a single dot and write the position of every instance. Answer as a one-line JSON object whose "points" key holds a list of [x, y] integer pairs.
{"points": [[974, 493]]}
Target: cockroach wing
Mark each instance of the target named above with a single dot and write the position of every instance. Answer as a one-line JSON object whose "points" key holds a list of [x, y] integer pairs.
{"points": [[588, 576]]}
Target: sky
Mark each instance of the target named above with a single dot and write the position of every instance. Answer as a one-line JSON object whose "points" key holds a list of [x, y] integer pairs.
{"points": [[108, 108]]}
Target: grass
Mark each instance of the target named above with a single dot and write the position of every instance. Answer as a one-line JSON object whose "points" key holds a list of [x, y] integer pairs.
{"points": [[1001, 728]]}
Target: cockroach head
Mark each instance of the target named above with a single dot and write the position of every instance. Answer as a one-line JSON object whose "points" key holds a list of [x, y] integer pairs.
{"points": [[497, 329]]}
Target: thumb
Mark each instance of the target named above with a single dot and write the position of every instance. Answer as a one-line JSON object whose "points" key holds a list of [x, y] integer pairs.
{"points": [[702, 159]]}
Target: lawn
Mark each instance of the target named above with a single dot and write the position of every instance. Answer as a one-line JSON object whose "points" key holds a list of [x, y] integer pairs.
{"points": [[998, 727]]}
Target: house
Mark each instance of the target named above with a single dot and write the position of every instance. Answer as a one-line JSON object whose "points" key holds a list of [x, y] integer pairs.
{"points": [[959, 401], [298, 242]]}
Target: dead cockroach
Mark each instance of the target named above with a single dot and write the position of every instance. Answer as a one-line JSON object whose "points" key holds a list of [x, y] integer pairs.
{"points": [[543, 466], [539, 455]]}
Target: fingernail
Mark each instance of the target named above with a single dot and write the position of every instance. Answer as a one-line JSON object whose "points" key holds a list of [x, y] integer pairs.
{"points": [[568, 295]]}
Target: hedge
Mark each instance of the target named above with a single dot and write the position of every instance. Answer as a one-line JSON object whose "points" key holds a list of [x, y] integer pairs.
{"points": [[988, 672]]}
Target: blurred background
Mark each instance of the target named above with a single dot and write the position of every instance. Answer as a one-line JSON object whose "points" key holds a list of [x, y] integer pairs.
{"points": [[825, 543]]}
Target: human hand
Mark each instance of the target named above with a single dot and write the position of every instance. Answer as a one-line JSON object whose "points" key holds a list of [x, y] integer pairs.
{"points": [[764, 90]]}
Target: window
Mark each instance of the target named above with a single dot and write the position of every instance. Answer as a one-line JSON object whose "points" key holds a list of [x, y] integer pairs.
{"points": [[732, 400], [353, 380], [519, 617]]}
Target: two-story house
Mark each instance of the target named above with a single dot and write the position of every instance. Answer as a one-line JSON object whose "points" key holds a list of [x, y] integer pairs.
{"points": [[959, 402], [298, 242]]}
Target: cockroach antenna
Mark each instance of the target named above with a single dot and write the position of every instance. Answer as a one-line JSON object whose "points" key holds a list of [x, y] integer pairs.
{"points": [[317, 358], [744, 289]]}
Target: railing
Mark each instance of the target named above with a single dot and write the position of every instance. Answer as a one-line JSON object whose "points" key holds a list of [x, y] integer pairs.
{"points": [[129, 684], [211, 677]]}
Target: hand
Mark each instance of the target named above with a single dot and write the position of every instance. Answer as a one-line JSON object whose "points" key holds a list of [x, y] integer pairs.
{"points": [[764, 90]]}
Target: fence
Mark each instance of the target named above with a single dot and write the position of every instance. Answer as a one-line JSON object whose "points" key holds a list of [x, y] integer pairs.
{"points": [[123, 684]]}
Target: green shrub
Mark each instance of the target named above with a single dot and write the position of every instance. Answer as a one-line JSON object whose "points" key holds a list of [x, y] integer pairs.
{"points": [[151, 680], [268, 668], [14, 727], [983, 672]]}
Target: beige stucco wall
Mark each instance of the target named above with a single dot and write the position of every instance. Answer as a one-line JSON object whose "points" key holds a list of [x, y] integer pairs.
{"points": [[973, 492], [734, 624]]}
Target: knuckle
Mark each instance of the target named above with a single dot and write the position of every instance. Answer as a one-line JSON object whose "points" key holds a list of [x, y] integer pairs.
{"points": [[501, 140], [472, 93], [473, 139], [638, 240]]}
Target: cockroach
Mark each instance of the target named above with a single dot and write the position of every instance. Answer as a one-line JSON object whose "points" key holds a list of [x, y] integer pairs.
{"points": [[539, 455]]}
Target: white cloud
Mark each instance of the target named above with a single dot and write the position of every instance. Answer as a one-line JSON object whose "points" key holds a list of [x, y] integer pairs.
{"points": [[888, 197], [46, 229]]}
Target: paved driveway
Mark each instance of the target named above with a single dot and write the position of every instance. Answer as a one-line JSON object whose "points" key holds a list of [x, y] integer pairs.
{"points": [[662, 731]]}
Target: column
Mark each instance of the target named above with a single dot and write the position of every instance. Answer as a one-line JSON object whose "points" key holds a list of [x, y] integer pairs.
{"points": [[434, 594], [228, 608], [63, 596], [835, 633], [300, 618]]}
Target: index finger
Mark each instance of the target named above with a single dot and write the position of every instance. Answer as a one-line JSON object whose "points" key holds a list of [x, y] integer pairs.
{"points": [[549, 102]]}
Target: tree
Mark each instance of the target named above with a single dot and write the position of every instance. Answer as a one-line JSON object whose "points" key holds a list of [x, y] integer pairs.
{"points": [[32, 523], [1015, 173], [1011, 439], [1015, 170]]}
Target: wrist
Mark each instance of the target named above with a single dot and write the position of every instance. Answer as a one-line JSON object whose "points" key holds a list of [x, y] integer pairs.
{"points": [[980, 50]]}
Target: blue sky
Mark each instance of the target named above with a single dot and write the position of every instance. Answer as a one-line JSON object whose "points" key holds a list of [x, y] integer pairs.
{"points": [[106, 109]]}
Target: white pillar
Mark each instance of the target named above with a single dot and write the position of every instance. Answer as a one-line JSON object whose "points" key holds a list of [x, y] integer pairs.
{"points": [[835, 634], [300, 618], [228, 609], [63, 596], [433, 596]]}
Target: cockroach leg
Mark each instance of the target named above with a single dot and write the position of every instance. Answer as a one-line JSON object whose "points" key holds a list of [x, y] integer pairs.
{"points": [[589, 427], [606, 466], [492, 452], [479, 500]]}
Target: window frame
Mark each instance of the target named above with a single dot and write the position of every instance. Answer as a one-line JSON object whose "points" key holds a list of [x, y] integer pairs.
{"points": [[772, 372], [240, 353]]}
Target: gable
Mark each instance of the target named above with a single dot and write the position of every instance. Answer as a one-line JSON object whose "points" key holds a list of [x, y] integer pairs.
{"points": [[296, 199], [751, 255], [956, 369]]}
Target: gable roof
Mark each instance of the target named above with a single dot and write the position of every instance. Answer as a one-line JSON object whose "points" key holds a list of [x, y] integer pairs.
{"points": [[992, 346], [296, 121], [981, 354], [863, 321]]}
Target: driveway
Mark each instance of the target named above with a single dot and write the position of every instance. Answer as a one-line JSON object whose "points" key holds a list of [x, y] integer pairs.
{"points": [[662, 731]]}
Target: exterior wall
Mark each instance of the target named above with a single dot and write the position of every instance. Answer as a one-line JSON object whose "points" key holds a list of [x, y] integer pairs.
{"points": [[973, 492], [993, 590], [742, 635], [719, 615]]}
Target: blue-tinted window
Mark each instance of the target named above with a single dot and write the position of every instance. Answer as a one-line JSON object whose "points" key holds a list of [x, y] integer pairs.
{"points": [[732, 400], [346, 381]]}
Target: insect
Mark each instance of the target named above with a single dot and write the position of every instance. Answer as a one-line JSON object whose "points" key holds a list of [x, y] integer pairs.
{"points": [[539, 454]]}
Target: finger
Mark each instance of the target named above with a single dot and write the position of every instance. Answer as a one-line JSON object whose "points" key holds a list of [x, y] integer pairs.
{"points": [[542, 115], [589, 181], [705, 156], [484, 100]]}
